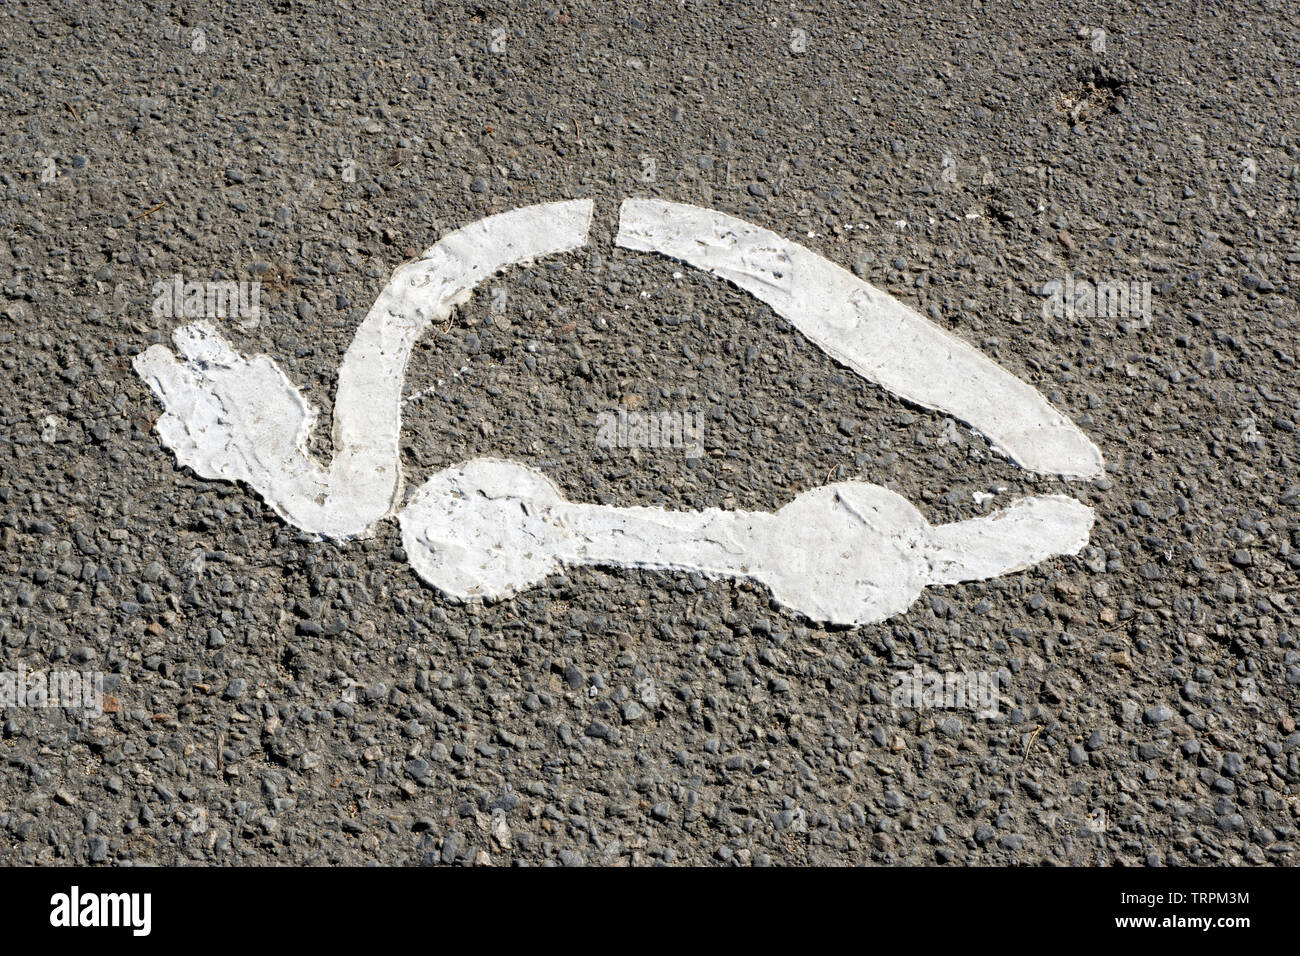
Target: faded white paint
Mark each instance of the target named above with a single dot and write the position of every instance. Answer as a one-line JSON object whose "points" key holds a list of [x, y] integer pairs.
{"points": [[849, 553], [868, 330], [241, 419]]}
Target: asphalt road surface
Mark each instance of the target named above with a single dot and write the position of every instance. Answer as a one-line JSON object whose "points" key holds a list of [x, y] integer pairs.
{"points": [[254, 693]]}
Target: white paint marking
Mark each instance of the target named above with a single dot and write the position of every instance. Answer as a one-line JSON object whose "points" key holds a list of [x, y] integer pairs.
{"points": [[241, 419], [868, 330], [849, 553]]}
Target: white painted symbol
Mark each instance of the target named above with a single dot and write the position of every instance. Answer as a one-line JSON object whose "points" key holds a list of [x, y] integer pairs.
{"points": [[198, 40], [850, 553], [1249, 170], [798, 40], [48, 170], [497, 41]]}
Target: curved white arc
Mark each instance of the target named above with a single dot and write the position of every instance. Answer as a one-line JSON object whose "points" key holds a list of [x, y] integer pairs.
{"points": [[868, 330], [238, 419], [373, 372]]}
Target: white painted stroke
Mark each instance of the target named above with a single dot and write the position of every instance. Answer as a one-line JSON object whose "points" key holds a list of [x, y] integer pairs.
{"points": [[868, 330], [849, 553], [240, 419]]}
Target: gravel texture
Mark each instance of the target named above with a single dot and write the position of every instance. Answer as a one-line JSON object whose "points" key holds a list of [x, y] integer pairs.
{"points": [[271, 698]]}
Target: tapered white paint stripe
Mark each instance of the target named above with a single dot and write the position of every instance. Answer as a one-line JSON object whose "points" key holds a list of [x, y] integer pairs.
{"points": [[241, 419], [868, 330], [848, 553]]}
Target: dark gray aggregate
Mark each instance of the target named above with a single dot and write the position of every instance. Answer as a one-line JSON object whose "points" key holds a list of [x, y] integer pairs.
{"points": [[275, 699]]}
